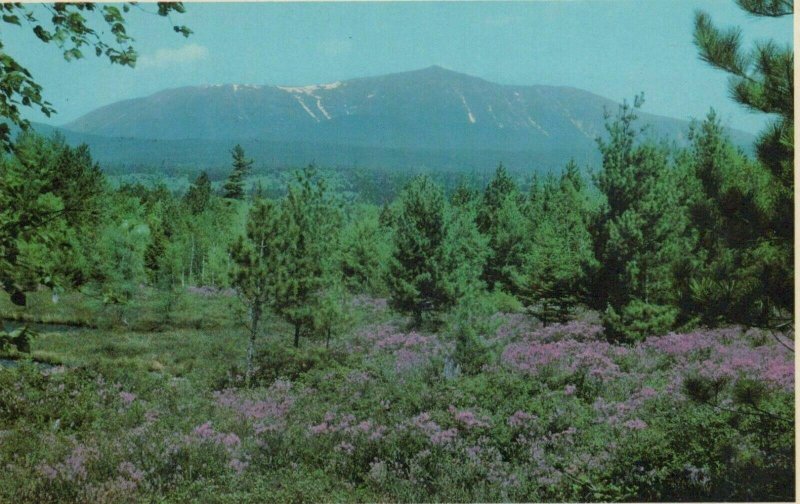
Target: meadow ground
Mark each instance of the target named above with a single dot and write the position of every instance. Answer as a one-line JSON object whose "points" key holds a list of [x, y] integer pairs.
{"points": [[150, 406]]}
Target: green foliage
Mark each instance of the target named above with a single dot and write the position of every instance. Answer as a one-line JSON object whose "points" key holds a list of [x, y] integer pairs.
{"points": [[332, 313], [287, 261], [283, 362], [415, 273], [469, 324], [366, 248], [50, 196], [638, 320], [258, 259], [67, 26], [437, 253], [234, 186], [739, 270], [500, 218], [198, 197], [642, 235], [19, 338], [556, 266], [762, 80], [310, 239]]}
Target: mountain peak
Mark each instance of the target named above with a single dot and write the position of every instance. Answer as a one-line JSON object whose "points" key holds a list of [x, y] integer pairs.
{"points": [[438, 70], [429, 108]]}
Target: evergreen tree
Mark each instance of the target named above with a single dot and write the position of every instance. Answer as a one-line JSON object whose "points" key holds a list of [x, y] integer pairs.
{"points": [[366, 249], [731, 203], [153, 256], [257, 259], [501, 219], [386, 219], [331, 312], [258, 191], [234, 186], [762, 80], [416, 277], [464, 195], [198, 195], [311, 250], [558, 263], [642, 235]]}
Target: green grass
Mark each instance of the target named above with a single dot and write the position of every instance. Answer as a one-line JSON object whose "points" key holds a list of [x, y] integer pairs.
{"points": [[147, 310]]}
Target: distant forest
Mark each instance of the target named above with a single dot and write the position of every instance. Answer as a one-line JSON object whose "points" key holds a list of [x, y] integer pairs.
{"points": [[657, 238]]}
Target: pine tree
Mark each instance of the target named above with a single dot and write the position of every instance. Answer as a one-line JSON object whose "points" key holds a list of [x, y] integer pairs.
{"points": [[153, 256], [642, 234], [438, 253], [762, 80], [464, 195], [415, 271], [198, 195], [553, 278], [331, 312], [257, 259], [366, 249], [730, 202], [465, 253], [234, 186], [501, 219], [311, 232]]}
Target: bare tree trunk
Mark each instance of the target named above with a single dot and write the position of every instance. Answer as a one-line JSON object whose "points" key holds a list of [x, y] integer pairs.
{"points": [[296, 335], [328, 339], [255, 316]]}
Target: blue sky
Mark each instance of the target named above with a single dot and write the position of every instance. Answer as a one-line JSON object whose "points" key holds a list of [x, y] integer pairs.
{"points": [[614, 48]]}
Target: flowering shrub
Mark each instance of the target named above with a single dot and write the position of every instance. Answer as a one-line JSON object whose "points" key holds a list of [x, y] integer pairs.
{"points": [[560, 414]]}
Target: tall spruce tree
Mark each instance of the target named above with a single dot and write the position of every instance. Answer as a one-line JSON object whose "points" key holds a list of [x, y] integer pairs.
{"points": [[234, 186], [366, 249], [762, 79], [415, 273]]}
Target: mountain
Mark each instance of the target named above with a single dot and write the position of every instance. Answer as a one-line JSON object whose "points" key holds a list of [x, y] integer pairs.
{"points": [[429, 117]]}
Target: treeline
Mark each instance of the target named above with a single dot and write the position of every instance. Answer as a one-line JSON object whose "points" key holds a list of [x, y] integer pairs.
{"points": [[656, 239], [358, 183]]}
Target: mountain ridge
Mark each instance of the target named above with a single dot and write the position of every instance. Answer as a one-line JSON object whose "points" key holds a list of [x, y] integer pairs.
{"points": [[430, 109]]}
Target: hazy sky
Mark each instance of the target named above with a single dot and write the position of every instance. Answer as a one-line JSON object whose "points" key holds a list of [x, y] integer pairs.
{"points": [[614, 48]]}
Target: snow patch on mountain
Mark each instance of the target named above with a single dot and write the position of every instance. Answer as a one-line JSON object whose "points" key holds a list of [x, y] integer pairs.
{"points": [[305, 107], [537, 126], [310, 90], [321, 108], [470, 116]]}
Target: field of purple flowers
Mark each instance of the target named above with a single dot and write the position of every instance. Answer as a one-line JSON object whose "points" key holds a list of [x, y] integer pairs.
{"points": [[552, 413]]}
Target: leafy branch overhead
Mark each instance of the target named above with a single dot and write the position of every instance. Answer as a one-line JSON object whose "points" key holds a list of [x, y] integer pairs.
{"points": [[74, 29]]}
